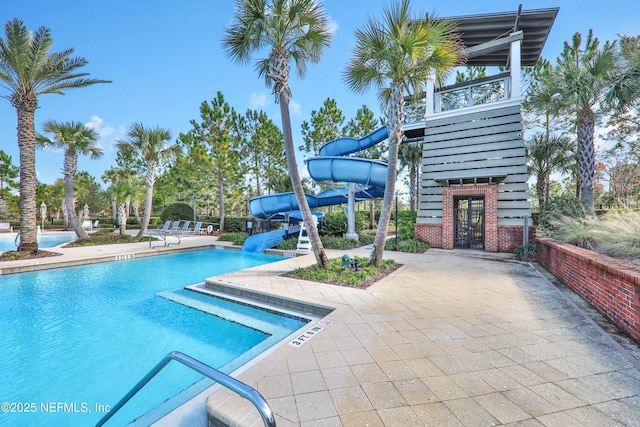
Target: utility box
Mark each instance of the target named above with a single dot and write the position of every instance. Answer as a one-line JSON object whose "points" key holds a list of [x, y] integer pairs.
{"points": [[347, 261]]}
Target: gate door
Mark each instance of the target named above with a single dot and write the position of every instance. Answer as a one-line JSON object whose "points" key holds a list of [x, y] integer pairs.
{"points": [[469, 222]]}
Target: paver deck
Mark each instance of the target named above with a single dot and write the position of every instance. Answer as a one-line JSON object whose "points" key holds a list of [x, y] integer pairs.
{"points": [[452, 338]]}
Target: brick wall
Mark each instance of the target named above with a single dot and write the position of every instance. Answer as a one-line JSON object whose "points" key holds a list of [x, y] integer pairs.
{"points": [[510, 236], [612, 286], [431, 233]]}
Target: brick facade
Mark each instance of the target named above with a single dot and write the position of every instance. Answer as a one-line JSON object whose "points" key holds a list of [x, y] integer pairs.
{"points": [[612, 286], [497, 238]]}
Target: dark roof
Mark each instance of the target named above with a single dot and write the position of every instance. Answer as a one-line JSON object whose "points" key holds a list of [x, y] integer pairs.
{"points": [[478, 29]]}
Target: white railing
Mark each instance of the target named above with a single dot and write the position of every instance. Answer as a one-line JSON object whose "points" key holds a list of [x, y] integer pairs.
{"points": [[483, 91]]}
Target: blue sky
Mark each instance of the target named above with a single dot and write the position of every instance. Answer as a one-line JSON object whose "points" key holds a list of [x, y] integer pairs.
{"points": [[165, 58]]}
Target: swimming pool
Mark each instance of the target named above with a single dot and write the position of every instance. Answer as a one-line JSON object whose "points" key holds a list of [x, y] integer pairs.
{"points": [[77, 339], [45, 240]]}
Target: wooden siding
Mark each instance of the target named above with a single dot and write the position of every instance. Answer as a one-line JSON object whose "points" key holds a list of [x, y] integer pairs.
{"points": [[480, 144]]}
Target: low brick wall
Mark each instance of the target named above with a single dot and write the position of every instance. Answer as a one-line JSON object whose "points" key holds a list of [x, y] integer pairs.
{"points": [[612, 286]]}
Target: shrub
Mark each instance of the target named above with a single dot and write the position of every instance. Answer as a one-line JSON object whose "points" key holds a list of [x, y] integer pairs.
{"points": [[177, 211], [406, 219], [556, 209], [235, 238], [411, 245], [334, 224]]}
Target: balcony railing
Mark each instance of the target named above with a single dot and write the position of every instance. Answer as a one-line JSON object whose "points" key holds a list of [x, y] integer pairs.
{"points": [[462, 95]]}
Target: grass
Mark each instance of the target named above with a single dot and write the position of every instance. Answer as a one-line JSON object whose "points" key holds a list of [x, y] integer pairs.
{"points": [[361, 277], [616, 234]]}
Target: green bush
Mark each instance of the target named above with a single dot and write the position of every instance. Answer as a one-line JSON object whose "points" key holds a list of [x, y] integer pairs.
{"points": [[232, 224], [414, 246], [329, 243], [334, 224], [177, 211], [406, 219], [235, 238]]}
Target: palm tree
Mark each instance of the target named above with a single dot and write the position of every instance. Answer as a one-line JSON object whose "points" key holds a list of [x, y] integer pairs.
{"points": [[585, 83], [75, 139], [546, 155], [410, 155], [28, 70], [149, 145], [397, 55], [290, 30], [119, 191]]}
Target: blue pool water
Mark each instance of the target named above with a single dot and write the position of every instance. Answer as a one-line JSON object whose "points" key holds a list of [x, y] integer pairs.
{"points": [[77, 339], [7, 243]]}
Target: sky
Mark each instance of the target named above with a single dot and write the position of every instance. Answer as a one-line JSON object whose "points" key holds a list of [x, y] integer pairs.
{"points": [[165, 57]]}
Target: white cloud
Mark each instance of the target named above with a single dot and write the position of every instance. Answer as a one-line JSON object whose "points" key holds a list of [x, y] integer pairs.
{"points": [[108, 135], [296, 109], [257, 100], [333, 25]]}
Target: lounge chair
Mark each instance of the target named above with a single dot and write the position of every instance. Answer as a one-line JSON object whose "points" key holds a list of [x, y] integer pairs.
{"points": [[175, 225], [87, 225], [185, 228], [196, 230], [163, 229]]}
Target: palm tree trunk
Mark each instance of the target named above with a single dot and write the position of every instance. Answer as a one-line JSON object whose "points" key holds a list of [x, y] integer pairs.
{"points": [[148, 200], [395, 136], [70, 166], [305, 210], [122, 218], [221, 199], [26, 143], [65, 214], [586, 156]]}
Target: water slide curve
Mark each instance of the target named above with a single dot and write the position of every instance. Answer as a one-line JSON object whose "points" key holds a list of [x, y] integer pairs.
{"points": [[332, 164]]}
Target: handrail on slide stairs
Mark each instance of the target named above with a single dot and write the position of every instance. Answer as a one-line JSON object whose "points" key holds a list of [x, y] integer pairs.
{"points": [[232, 384]]}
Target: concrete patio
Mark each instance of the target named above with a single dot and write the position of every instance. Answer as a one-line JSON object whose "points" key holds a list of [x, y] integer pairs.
{"points": [[453, 338]]}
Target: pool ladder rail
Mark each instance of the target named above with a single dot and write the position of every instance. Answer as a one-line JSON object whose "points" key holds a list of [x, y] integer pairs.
{"points": [[163, 236], [230, 383]]}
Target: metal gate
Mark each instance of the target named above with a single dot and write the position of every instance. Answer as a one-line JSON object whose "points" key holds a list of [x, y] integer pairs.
{"points": [[469, 222]]}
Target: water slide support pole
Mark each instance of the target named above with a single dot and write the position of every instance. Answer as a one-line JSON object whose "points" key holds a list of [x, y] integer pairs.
{"points": [[351, 214]]}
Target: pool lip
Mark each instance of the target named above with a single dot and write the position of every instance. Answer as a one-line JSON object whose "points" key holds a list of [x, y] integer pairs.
{"points": [[70, 257]]}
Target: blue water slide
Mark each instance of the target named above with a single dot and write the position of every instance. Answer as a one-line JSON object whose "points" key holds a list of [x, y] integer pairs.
{"points": [[330, 165], [263, 241]]}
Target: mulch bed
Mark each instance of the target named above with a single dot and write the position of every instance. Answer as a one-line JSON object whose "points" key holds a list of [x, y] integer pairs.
{"points": [[364, 285], [17, 256]]}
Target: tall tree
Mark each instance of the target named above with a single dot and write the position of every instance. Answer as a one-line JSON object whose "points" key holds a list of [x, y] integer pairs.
{"points": [[263, 143], [584, 83], [75, 139], [28, 70], [325, 126], [410, 156], [150, 146], [397, 55], [217, 135], [289, 30], [119, 191], [546, 155], [8, 173]]}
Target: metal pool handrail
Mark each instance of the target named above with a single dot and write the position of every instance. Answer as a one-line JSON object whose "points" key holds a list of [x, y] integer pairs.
{"points": [[232, 384]]}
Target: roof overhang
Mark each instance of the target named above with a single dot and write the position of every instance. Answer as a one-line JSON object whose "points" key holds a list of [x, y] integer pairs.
{"points": [[462, 179], [487, 36]]}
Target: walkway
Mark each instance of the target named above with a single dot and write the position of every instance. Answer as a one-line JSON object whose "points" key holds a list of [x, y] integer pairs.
{"points": [[453, 338]]}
